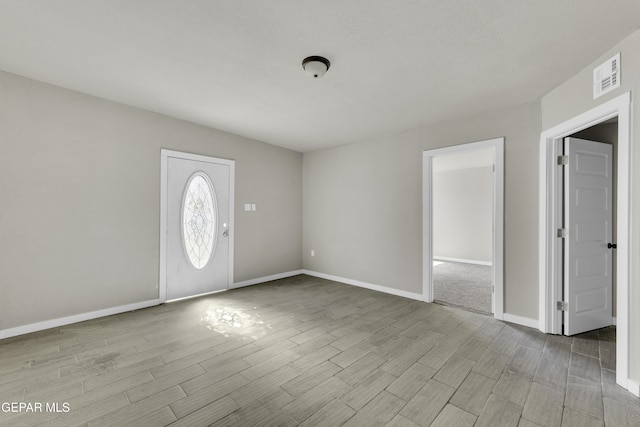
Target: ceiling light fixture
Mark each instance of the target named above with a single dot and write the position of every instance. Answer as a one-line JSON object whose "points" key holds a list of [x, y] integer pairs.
{"points": [[315, 66]]}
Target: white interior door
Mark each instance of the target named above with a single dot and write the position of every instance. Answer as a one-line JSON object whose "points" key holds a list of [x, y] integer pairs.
{"points": [[198, 227], [588, 219]]}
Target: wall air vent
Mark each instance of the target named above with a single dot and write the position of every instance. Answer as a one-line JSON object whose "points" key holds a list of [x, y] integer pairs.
{"points": [[606, 77]]}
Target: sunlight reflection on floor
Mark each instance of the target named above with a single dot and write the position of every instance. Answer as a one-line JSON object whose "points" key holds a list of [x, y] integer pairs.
{"points": [[230, 321]]}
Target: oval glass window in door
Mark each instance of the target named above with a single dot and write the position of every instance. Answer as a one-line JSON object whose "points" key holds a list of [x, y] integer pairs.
{"points": [[199, 222]]}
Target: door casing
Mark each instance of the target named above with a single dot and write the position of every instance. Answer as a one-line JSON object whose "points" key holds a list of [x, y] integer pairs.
{"points": [[498, 217], [164, 176], [550, 247]]}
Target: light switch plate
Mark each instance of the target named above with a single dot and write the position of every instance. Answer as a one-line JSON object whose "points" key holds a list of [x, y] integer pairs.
{"points": [[247, 207]]}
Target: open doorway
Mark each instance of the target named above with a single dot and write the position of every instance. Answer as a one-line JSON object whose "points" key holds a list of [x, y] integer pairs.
{"points": [[454, 204], [552, 261], [462, 192], [602, 133]]}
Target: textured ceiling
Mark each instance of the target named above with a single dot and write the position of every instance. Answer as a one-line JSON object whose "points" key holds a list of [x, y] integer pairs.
{"points": [[236, 65]]}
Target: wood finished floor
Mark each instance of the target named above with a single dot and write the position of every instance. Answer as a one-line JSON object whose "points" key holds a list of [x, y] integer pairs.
{"points": [[306, 351]]}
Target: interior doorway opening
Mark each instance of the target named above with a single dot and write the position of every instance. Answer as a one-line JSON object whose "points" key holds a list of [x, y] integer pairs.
{"points": [[462, 192], [551, 246], [454, 246]]}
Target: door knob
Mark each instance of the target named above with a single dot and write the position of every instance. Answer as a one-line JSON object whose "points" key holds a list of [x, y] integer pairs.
{"points": [[612, 245], [226, 233]]}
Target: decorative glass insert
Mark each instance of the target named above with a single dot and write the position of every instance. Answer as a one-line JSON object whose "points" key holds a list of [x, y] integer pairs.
{"points": [[199, 220]]}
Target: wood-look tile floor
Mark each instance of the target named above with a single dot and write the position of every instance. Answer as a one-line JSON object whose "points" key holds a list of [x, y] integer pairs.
{"points": [[306, 351]]}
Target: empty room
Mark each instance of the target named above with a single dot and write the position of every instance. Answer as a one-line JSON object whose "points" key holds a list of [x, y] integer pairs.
{"points": [[282, 213]]}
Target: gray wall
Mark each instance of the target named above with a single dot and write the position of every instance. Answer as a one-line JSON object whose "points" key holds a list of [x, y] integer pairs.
{"points": [[79, 201], [363, 204], [463, 213], [575, 97]]}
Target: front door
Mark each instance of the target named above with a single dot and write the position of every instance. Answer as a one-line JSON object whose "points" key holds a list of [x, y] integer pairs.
{"points": [[198, 225], [588, 219]]}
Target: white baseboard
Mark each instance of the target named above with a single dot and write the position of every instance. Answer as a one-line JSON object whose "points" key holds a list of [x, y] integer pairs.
{"points": [[520, 320], [465, 261], [379, 288], [62, 321], [54, 323], [266, 279]]}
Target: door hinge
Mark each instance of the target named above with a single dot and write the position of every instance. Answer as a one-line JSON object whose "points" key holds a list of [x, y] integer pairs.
{"points": [[562, 233], [563, 160], [563, 306]]}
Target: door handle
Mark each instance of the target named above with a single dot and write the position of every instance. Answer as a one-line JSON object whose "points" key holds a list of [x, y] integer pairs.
{"points": [[226, 233], [611, 246]]}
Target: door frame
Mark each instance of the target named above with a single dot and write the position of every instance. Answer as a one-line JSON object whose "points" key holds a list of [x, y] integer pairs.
{"points": [[164, 180], [550, 247], [497, 144]]}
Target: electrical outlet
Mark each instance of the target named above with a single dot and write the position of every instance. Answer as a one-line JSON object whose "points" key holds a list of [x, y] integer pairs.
{"points": [[313, 253]]}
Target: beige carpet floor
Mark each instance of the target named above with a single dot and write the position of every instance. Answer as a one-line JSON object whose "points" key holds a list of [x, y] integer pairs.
{"points": [[463, 285]]}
